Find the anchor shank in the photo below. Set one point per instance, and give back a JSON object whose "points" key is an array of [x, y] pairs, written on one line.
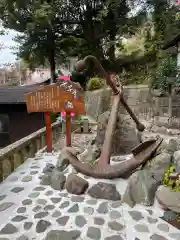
{"points": [[107, 145], [80, 65]]}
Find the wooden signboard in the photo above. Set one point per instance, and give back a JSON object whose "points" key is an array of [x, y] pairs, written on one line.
{"points": [[64, 96], [76, 105], [54, 98], [47, 99]]}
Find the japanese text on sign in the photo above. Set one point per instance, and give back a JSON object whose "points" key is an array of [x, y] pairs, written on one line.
{"points": [[49, 98], [54, 98], [71, 87]]}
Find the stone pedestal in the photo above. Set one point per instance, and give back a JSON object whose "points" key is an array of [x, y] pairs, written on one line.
{"points": [[125, 136], [85, 126], [63, 127]]}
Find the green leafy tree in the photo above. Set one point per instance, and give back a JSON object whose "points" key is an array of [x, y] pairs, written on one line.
{"points": [[39, 24], [166, 77], [163, 16], [166, 73], [51, 31], [101, 23], [158, 24]]}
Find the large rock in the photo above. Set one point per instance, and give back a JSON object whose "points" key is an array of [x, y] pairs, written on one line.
{"points": [[62, 235], [172, 146], [141, 189], [45, 179], [168, 199], [48, 169], [57, 180], [176, 160], [161, 130], [104, 191], [174, 132], [158, 165], [91, 153], [163, 147], [125, 137], [64, 156], [76, 185]]}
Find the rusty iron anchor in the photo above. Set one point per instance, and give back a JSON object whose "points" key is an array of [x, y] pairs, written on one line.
{"points": [[107, 171], [141, 154]]}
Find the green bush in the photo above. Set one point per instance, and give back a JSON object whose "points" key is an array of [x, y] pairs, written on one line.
{"points": [[166, 72], [95, 83], [54, 116], [173, 184]]}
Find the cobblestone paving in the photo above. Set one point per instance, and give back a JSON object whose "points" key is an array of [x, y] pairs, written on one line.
{"points": [[29, 211]]}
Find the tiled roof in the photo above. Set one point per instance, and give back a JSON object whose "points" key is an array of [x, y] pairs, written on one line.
{"points": [[15, 94]]}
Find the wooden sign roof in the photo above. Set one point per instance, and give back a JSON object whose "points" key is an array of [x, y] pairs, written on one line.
{"points": [[55, 98], [74, 88]]}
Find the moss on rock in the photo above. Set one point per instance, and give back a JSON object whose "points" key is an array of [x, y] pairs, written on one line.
{"points": [[173, 184]]}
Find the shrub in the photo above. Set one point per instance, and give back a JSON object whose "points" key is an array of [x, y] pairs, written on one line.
{"points": [[166, 73], [94, 83], [53, 117], [173, 184]]}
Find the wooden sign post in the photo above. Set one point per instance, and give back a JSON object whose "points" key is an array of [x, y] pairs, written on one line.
{"points": [[56, 98], [76, 105], [68, 129], [47, 116]]}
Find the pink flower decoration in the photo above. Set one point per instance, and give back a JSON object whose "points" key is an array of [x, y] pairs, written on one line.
{"points": [[67, 78], [63, 114]]}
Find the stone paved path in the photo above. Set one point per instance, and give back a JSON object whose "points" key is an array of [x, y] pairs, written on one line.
{"points": [[31, 211]]}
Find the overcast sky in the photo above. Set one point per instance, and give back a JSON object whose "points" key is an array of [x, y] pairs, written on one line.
{"points": [[6, 54]]}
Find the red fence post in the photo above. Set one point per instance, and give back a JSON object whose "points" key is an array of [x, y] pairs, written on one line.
{"points": [[48, 131], [68, 129]]}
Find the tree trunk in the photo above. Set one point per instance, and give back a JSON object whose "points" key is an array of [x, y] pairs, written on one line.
{"points": [[52, 66], [112, 32], [51, 57], [95, 47], [91, 32], [111, 52]]}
